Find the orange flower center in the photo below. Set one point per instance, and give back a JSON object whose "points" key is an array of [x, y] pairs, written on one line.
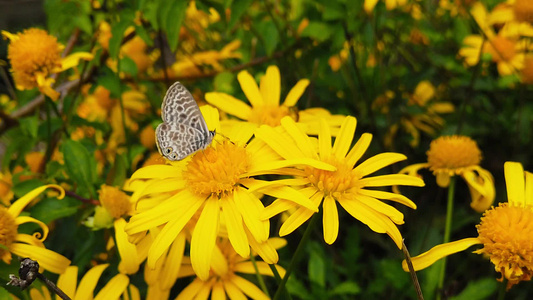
{"points": [[523, 10], [8, 231], [452, 153], [333, 182], [501, 49], [33, 52], [217, 170], [269, 115], [506, 233], [115, 201]]}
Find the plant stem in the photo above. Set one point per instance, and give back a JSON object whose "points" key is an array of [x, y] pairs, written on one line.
{"points": [[502, 290], [297, 254], [447, 233], [259, 276]]}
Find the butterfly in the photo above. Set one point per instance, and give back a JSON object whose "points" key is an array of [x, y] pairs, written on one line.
{"points": [[183, 131]]}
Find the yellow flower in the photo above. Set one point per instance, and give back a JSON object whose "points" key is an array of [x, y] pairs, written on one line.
{"points": [[523, 10], [6, 183], [527, 71], [147, 137], [25, 245], [265, 102], [224, 280], [210, 187], [458, 155], [35, 56], [505, 231], [389, 4], [347, 184], [68, 282]]}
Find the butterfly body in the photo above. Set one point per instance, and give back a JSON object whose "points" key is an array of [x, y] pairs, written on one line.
{"points": [[183, 130]]}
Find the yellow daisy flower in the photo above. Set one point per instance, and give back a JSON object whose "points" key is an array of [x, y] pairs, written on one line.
{"points": [[224, 280], [458, 155], [68, 282], [389, 4], [346, 185], [6, 183], [35, 56], [210, 185], [265, 106], [25, 245], [505, 232]]}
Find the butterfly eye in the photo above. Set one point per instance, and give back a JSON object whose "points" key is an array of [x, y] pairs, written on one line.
{"points": [[168, 150], [174, 156]]}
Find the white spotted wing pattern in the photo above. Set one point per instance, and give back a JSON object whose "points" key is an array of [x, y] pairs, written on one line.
{"points": [[183, 130]]}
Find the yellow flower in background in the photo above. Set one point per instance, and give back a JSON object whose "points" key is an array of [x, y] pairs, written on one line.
{"points": [[458, 155], [505, 231], [25, 245], [527, 71], [422, 113], [523, 10], [265, 102], [84, 288], [212, 187], [389, 4], [224, 280], [347, 185], [35, 56], [6, 183]]}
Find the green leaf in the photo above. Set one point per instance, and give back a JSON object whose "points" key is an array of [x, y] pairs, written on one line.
{"points": [[117, 174], [143, 34], [115, 41], [78, 164], [30, 125], [238, 7], [50, 209], [317, 268], [346, 288], [318, 31], [128, 66], [478, 290], [297, 288], [22, 188], [224, 82], [172, 14], [270, 36]]}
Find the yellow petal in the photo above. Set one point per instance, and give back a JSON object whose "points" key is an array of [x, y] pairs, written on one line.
{"points": [[266, 249], [293, 162], [191, 290], [68, 281], [11, 37], [388, 196], [248, 267], [270, 86], [344, 138], [114, 288], [248, 288], [21, 203], [48, 259], [395, 215], [330, 220], [278, 142], [73, 59], [181, 216], [426, 259], [88, 282], [204, 237], [515, 182], [300, 138], [378, 162], [529, 188], [324, 140], [358, 149], [129, 262], [21, 220], [250, 89], [369, 5], [296, 92], [233, 291], [156, 171], [170, 269], [234, 225], [391, 179], [276, 207], [229, 104], [250, 207]]}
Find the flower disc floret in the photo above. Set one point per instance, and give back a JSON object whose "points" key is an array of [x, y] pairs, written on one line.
{"points": [[216, 170], [35, 51], [268, 115], [8, 231], [115, 201], [506, 233], [333, 182], [450, 154]]}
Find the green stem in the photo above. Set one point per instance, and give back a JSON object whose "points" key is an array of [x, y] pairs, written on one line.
{"points": [[276, 273], [297, 254], [447, 233], [502, 290], [259, 277]]}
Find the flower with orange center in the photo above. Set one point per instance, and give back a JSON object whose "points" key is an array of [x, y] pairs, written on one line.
{"points": [[265, 106], [458, 155], [35, 56], [25, 245], [505, 231], [212, 186], [224, 280], [347, 185], [6, 183]]}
